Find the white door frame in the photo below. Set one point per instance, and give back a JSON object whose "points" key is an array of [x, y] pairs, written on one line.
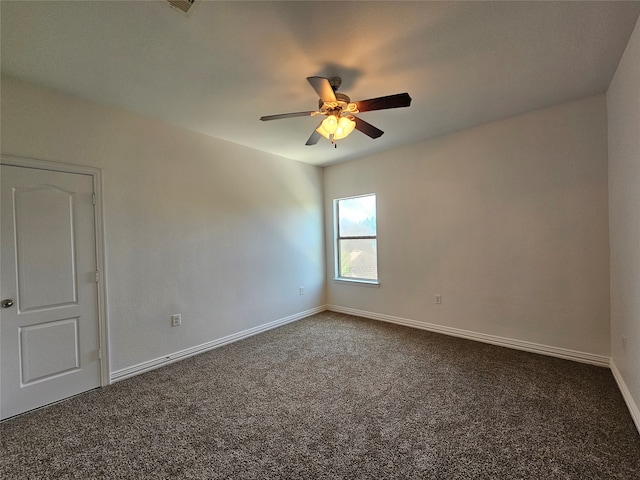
{"points": [[96, 174]]}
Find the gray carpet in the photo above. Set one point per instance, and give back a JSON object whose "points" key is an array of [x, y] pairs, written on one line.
{"points": [[338, 397]]}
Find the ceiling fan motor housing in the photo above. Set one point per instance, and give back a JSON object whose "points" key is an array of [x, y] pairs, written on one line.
{"points": [[340, 104]]}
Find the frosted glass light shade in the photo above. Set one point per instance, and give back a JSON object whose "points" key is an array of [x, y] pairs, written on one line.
{"points": [[330, 124]]}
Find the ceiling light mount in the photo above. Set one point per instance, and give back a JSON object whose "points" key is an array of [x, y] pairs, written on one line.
{"points": [[335, 83]]}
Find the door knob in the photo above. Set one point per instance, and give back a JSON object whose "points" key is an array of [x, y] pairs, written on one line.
{"points": [[6, 303]]}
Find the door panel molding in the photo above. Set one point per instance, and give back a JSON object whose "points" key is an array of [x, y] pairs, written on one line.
{"points": [[96, 175], [35, 364], [31, 283]]}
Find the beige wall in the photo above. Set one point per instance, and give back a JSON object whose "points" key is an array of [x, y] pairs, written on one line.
{"points": [[507, 221], [220, 233], [623, 106]]}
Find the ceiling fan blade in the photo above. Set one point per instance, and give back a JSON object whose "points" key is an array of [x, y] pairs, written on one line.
{"points": [[315, 136], [367, 128], [323, 88], [381, 103], [287, 115]]}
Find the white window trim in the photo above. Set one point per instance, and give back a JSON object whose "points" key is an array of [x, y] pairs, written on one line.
{"points": [[363, 282], [336, 246]]}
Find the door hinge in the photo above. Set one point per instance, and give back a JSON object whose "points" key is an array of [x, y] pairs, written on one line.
{"points": [[99, 354], [93, 198], [97, 276]]}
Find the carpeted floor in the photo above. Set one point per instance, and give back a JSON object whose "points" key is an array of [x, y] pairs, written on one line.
{"points": [[338, 397]]}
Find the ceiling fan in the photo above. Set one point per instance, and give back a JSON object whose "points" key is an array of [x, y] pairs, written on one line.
{"points": [[340, 112]]}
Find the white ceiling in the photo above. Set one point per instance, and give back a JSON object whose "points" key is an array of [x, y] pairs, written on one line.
{"points": [[225, 65]]}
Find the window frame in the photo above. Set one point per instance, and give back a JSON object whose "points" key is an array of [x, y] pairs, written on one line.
{"points": [[338, 238]]}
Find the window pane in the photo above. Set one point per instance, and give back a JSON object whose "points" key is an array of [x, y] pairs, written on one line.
{"points": [[357, 216], [359, 259]]}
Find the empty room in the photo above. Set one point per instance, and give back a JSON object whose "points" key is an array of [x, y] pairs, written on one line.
{"points": [[320, 239]]}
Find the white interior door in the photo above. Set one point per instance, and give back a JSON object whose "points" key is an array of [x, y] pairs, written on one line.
{"points": [[49, 324]]}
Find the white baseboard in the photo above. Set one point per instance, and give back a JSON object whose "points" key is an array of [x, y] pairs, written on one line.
{"points": [[582, 357], [626, 394], [127, 372]]}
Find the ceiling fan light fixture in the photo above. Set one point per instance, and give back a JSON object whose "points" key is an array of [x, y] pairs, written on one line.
{"points": [[336, 128]]}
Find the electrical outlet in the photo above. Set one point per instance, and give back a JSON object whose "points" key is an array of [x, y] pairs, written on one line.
{"points": [[438, 299], [301, 290], [176, 320]]}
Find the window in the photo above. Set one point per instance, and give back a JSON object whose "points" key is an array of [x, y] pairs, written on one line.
{"points": [[356, 239]]}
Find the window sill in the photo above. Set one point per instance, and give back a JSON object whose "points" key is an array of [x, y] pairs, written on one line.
{"points": [[357, 281]]}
